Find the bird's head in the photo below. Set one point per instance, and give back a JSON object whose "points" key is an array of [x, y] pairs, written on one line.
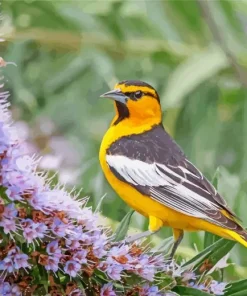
{"points": [[135, 100]]}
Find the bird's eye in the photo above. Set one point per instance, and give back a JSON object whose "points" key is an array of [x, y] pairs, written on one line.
{"points": [[138, 94]]}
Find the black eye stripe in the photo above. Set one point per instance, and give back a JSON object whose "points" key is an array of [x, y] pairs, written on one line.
{"points": [[150, 94], [132, 96]]}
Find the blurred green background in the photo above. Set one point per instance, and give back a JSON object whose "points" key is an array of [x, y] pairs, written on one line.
{"points": [[69, 52]]}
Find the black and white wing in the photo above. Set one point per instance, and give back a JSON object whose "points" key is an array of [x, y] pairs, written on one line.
{"points": [[155, 166]]}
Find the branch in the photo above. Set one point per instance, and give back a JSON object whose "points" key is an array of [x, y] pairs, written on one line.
{"points": [[73, 41]]}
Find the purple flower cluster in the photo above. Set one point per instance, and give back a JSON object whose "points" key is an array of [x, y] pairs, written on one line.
{"points": [[56, 229], [107, 290], [144, 290], [217, 288], [9, 290], [147, 290], [14, 261], [214, 287], [129, 259]]}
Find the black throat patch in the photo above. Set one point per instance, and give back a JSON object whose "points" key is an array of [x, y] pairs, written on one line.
{"points": [[123, 112]]}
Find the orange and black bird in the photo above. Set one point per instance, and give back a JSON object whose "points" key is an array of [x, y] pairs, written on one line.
{"points": [[150, 172]]}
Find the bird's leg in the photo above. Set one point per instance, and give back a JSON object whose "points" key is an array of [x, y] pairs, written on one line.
{"points": [[178, 236]]}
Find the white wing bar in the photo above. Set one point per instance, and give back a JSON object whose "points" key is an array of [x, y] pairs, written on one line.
{"points": [[174, 194]]}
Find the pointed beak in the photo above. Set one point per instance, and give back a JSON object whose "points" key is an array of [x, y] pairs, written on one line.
{"points": [[116, 95]]}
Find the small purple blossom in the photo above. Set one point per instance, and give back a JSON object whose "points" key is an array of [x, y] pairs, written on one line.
{"points": [[85, 237], [72, 243], [147, 273], [10, 211], [72, 267], [8, 225], [21, 261], [107, 290], [201, 287], [16, 291], [5, 134], [80, 256], [32, 230], [14, 261], [17, 160], [41, 229], [58, 227], [99, 246], [53, 249], [217, 288], [52, 263], [23, 182], [188, 275], [147, 290], [114, 271], [7, 264], [49, 200], [5, 289], [24, 163], [119, 251], [88, 219], [14, 251], [13, 194], [144, 268], [9, 290]]}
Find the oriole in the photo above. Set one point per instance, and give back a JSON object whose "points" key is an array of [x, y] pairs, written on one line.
{"points": [[150, 172]]}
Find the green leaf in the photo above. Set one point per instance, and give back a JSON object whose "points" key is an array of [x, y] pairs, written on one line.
{"points": [[80, 285], [187, 16], [184, 291], [170, 293], [123, 227], [66, 75], [188, 75], [99, 205], [239, 293], [212, 254], [236, 287], [229, 10], [216, 176], [165, 245], [209, 239]]}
